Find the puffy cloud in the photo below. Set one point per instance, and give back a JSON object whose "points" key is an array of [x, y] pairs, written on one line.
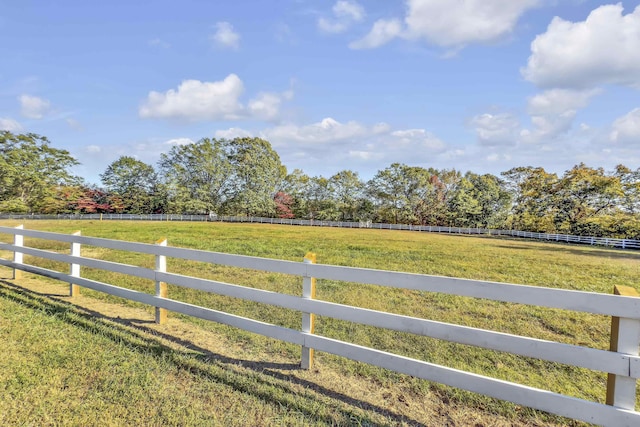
{"points": [[558, 101], [453, 26], [325, 131], [416, 139], [10, 125], [341, 143], [349, 9], [553, 111], [196, 100], [605, 48], [33, 107], [382, 32], [266, 105], [626, 129], [232, 133], [179, 141], [225, 36], [493, 130], [470, 21], [345, 13]]}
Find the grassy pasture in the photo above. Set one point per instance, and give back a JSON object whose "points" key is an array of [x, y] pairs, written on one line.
{"points": [[504, 260]]}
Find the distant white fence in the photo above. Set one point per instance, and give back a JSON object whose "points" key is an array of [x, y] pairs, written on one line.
{"points": [[567, 238], [622, 363]]}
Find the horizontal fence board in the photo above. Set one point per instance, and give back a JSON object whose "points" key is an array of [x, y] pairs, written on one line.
{"points": [[114, 267], [605, 304], [527, 396], [266, 329], [243, 261], [590, 302], [539, 399], [552, 351]]}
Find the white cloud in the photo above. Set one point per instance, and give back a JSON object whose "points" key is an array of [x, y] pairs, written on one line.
{"points": [[553, 111], [416, 139], [196, 100], [33, 107], [225, 36], [232, 133], [558, 101], [605, 48], [381, 127], [265, 106], [494, 130], [441, 23], [345, 13], [626, 129], [93, 149], [10, 125], [383, 31], [327, 130], [179, 141], [470, 21], [346, 145]]}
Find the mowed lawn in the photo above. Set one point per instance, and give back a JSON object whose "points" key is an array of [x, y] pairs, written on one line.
{"points": [[112, 369]]}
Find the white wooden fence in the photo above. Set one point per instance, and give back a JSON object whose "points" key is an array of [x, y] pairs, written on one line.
{"points": [[553, 237], [622, 363]]}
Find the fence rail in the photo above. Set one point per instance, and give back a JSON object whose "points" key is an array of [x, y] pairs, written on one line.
{"points": [[622, 363], [552, 237]]}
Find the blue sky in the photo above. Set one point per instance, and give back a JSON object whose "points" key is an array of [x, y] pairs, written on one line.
{"points": [[479, 85]]}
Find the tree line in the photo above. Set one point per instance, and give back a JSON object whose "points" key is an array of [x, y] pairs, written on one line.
{"points": [[245, 176]]}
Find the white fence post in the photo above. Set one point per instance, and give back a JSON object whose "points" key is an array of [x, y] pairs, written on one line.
{"points": [[625, 338], [308, 319], [161, 287], [18, 240], [74, 290]]}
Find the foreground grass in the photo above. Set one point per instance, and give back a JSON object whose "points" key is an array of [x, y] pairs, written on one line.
{"points": [[515, 261]]}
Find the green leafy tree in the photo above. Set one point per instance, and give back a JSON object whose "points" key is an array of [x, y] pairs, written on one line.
{"points": [[296, 185], [257, 174], [399, 193], [198, 177], [630, 183], [464, 208], [136, 183], [584, 193], [347, 193], [492, 199], [534, 199], [31, 171]]}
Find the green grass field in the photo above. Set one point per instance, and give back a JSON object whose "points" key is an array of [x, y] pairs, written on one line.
{"points": [[185, 380]]}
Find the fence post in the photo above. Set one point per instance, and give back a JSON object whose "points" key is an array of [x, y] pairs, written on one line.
{"points": [[308, 319], [161, 287], [18, 240], [625, 338], [74, 290]]}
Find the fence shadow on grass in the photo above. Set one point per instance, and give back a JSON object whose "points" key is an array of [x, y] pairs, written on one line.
{"points": [[206, 364]]}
